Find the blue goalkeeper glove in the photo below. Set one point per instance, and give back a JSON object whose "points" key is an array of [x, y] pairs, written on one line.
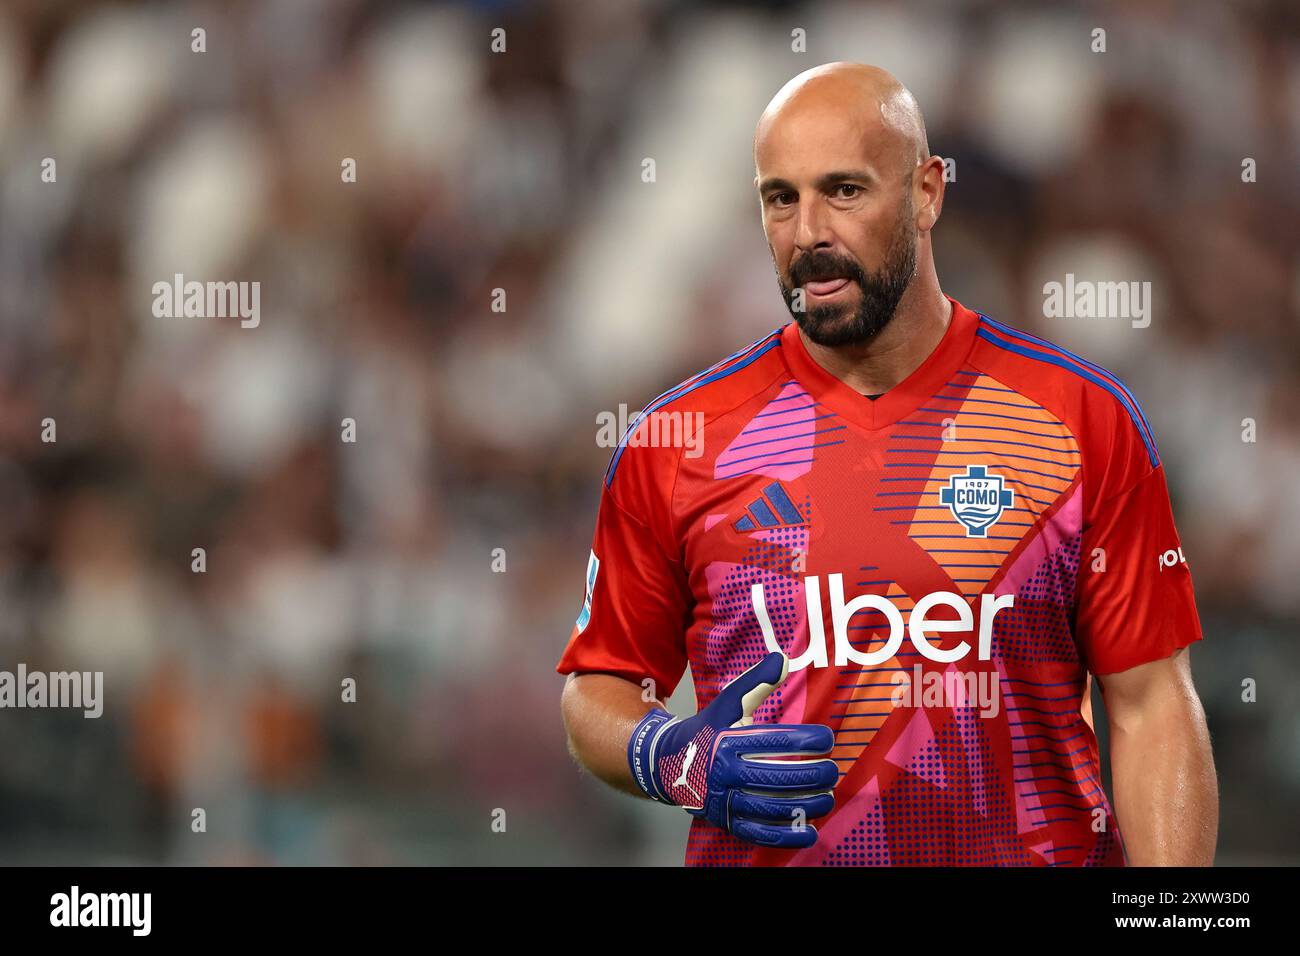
{"points": [[719, 764]]}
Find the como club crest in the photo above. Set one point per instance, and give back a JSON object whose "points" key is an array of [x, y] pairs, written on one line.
{"points": [[976, 499]]}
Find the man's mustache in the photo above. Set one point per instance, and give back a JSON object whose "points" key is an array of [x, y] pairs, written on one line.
{"points": [[815, 270]]}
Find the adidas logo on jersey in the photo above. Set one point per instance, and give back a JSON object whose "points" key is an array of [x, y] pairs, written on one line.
{"points": [[772, 509]]}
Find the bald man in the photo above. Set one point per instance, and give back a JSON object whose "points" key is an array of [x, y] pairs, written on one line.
{"points": [[907, 537]]}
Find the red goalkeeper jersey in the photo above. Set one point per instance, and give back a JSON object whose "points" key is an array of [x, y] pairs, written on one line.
{"points": [[943, 566]]}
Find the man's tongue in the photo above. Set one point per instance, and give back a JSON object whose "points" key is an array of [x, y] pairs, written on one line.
{"points": [[827, 287]]}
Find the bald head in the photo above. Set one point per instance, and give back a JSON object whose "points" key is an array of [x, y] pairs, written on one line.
{"points": [[870, 100], [849, 193]]}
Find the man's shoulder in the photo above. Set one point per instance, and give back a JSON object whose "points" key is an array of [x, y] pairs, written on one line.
{"points": [[1091, 400], [656, 436]]}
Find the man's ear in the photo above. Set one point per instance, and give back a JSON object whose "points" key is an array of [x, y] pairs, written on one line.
{"points": [[930, 185]]}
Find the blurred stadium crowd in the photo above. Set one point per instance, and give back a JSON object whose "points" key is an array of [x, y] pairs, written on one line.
{"points": [[522, 171]]}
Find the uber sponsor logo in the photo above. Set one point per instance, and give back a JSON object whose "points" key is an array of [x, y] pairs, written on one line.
{"points": [[133, 910], [917, 628]]}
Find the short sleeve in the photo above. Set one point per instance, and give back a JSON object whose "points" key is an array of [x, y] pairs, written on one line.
{"points": [[637, 606], [1135, 602]]}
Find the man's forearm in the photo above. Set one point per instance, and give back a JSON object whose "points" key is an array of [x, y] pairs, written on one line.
{"points": [[600, 712], [1166, 792]]}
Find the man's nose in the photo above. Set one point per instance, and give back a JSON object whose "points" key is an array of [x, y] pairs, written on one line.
{"points": [[813, 231]]}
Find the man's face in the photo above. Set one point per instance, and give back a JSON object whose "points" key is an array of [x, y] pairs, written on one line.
{"points": [[840, 223]]}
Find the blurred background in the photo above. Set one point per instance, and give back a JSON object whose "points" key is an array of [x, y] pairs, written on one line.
{"points": [[476, 429]]}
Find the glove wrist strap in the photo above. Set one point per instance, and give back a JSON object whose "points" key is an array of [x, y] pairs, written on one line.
{"points": [[641, 752]]}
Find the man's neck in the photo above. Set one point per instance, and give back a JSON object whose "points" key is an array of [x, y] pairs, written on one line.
{"points": [[876, 366]]}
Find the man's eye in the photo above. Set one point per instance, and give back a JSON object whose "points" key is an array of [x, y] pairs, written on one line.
{"points": [[852, 190], [782, 199]]}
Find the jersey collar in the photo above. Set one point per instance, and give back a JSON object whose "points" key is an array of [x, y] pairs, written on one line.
{"points": [[920, 387]]}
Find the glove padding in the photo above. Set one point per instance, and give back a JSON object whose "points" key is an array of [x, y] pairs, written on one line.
{"points": [[719, 765]]}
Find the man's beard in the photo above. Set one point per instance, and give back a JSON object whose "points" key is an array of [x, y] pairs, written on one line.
{"points": [[839, 324]]}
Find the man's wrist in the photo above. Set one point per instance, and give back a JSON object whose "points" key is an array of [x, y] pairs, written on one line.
{"points": [[641, 752]]}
